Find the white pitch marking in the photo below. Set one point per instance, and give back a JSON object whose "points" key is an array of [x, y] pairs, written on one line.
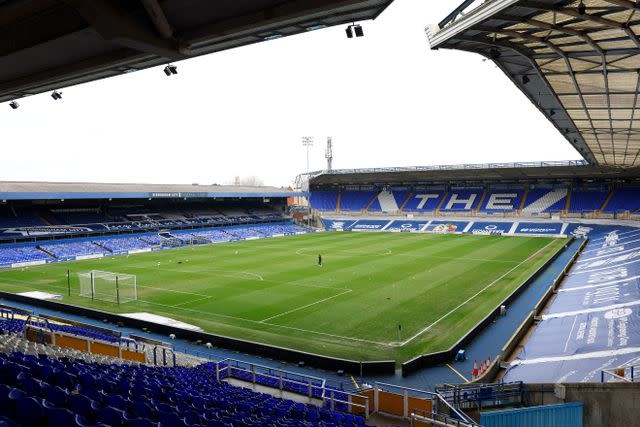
{"points": [[423, 330], [346, 253], [408, 255], [304, 285], [305, 306], [208, 313], [171, 290], [189, 302]]}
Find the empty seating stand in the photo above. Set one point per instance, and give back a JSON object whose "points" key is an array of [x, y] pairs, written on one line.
{"points": [[36, 390], [462, 200], [324, 200], [625, 199], [502, 200], [358, 200], [583, 201], [424, 201], [15, 254]]}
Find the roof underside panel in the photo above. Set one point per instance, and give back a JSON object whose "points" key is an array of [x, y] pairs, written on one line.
{"points": [[50, 44], [577, 61]]}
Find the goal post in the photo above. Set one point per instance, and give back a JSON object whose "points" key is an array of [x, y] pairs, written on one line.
{"points": [[108, 286]]}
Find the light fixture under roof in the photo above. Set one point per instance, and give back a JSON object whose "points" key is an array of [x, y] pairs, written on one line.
{"points": [[354, 29], [170, 69]]}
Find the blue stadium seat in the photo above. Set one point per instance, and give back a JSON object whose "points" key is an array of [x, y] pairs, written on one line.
{"points": [[58, 417], [324, 200], [356, 200], [144, 396]]}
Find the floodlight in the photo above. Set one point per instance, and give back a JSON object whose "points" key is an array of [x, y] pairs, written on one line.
{"points": [[552, 113], [525, 80], [170, 69], [14, 105], [354, 29], [56, 95]]}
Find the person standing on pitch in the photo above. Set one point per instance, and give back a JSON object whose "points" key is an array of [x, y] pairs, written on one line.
{"points": [[320, 260]]}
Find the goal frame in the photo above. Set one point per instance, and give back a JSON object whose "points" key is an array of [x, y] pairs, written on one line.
{"points": [[124, 286]]}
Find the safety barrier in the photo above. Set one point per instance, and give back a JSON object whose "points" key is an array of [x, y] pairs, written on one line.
{"points": [[38, 329], [310, 386], [478, 396], [409, 403], [430, 419], [160, 352]]}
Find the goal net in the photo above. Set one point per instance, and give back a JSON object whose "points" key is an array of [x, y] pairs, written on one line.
{"points": [[108, 286]]}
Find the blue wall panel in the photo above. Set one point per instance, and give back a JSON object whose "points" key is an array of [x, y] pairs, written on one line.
{"points": [[566, 415]]}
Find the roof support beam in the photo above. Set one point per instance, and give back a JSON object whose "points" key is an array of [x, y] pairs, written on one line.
{"points": [[126, 31], [158, 17], [98, 64], [272, 16], [567, 62], [578, 143], [625, 3], [586, 17]]}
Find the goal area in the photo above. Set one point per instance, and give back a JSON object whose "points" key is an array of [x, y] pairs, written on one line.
{"points": [[108, 286]]}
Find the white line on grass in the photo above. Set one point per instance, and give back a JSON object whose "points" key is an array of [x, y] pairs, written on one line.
{"points": [[204, 271], [234, 274], [344, 252], [192, 301], [171, 290], [423, 330], [305, 306], [408, 255], [208, 313]]}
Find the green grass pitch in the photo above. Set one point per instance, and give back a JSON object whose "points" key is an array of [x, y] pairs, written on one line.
{"points": [[435, 287]]}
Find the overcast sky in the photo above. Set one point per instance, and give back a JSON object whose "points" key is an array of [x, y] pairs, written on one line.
{"points": [[386, 99]]}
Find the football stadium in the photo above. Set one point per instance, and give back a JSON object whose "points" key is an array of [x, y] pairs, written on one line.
{"points": [[467, 295]]}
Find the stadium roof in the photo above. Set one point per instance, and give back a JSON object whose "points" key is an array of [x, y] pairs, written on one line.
{"points": [[578, 61], [472, 173], [12, 190], [50, 44]]}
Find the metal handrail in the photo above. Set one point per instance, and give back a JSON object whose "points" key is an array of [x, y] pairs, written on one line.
{"points": [[326, 393], [471, 166], [454, 14], [433, 418]]}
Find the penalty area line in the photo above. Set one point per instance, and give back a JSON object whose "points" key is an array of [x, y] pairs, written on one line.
{"points": [[305, 306]]}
